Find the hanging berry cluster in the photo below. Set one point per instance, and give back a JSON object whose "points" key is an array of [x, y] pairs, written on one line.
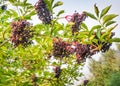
{"points": [[60, 48], [82, 51], [21, 33], [42, 12], [77, 19]]}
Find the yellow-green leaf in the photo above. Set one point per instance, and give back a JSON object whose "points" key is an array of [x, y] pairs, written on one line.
{"points": [[90, 15], [115, 40], [60, 12], [108, 17], [96, 10], [93, 28], [111, 28], [59, 3], [104, 11], [109, 23], [84, 26]]}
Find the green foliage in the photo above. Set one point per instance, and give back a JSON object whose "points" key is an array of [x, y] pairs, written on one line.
{"points": [[30, 66], [105, 71], [114, 79]]}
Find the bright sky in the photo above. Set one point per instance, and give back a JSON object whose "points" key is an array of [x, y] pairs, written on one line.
{"points": [[87, 5]]}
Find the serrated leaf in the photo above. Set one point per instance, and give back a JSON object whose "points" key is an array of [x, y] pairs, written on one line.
{"points": [[59, 3], [84, 26], [108, 17], [60, 12], [96, 10], [104, 11], [115, 40], [93, 28], [90, 15], [109, 23]]}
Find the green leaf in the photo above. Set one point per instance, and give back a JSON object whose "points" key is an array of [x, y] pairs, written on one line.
{"points": [[98, 33], [14, 13], [24, 1], [108, 17], [96, 10], [109, 23], [84, 26], [90, 15], [60, 12], [93, 28], [105, 35], [111, 28], [52, 1], [115, 40], [104, 11], [59, 3]]}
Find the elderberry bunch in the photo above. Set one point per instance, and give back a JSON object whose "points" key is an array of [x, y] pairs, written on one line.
{"points": [[21, 33], [59, 48], [42, 12], [81, 51], [57, 71], [77, 19]]}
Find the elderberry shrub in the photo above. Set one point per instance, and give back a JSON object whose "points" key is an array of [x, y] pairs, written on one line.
{"points": [[42, 12], [21, 33], [59, 48], [77, 19], [57, 71]]}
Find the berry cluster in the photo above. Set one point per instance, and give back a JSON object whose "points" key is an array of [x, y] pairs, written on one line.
{"points": [[59, 48], [77, 20], [57, 71], [42, 12], [64, 49], [21, 33], [82, 51]]}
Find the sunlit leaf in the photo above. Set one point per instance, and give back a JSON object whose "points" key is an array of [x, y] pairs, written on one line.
{"points": [[60, 12], [108, 17], [96, 10], [59, 3], [93, 29], [98, 33], [84, 26], [110, 23], [111, 28], [115, 40], [90, 15], [104, 11]]}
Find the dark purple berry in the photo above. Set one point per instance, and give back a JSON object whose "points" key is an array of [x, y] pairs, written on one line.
{"points": [[85, 82], [42, 12], [77, 19], [60, 48], [21, 33], [57, 71], [3, 7]]}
